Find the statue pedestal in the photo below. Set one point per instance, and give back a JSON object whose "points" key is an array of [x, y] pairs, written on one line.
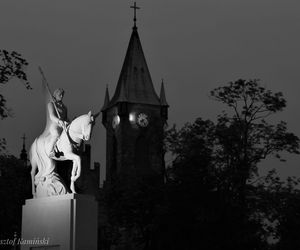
{"points": [[64, 222]]}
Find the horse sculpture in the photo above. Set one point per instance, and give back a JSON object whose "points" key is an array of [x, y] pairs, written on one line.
{"points": [[47, 182]]}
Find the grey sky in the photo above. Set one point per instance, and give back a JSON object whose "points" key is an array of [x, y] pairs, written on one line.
{"points": [[194, 45]]}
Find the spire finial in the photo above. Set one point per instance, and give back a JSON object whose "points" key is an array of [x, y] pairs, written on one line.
{"points": [[24, 138], [135, 8]]}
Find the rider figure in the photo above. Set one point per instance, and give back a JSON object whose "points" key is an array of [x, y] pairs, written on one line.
{"points": [[56, 122]]}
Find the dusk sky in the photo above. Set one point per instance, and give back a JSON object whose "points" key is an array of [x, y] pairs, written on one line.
{"points": [[194, 45]]}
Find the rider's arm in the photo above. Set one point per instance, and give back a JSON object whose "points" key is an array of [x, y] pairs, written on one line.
{"points": [[52, 113]]}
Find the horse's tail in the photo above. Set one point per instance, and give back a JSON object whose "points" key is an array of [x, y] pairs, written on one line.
{"points": [[39, 158], [33, 164]]}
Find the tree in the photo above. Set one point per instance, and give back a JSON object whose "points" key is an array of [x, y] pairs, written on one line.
{"points": [[15, 187], [12, 65], [192, 146], [134, 207], [246, 138], [222, 160], [194, 207], [201, 204], [279, 204], [14, 177]]}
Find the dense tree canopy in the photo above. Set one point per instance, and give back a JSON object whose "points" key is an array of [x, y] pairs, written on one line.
{"points": [[15, 187], [219, 163]]}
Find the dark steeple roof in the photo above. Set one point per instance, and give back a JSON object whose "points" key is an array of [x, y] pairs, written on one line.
{"points": [[135, 84], [163, 99], [106, 99]]}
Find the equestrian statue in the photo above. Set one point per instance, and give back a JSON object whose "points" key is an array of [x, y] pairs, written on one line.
{"points": [[59, 142]]}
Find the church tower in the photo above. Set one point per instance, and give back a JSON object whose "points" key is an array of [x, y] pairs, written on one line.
{"points": [[134, 118]]}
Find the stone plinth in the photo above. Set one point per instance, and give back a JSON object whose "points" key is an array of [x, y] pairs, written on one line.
{"points": [[65, 222]]}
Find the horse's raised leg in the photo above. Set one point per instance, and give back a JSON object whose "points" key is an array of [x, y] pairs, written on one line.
{"points": [[76, 169], [32, 173]]}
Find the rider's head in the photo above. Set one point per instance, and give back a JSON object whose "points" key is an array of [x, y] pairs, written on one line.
{"points": [[58, 94]]}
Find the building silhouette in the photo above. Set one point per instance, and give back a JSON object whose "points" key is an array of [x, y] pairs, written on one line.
{"points": [[23, 155], [134, 119]]}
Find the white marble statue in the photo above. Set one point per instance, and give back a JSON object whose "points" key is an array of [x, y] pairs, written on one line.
{"points": [[59, 141]]}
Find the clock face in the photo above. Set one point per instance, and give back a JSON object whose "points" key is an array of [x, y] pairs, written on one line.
{"points": [[115, 121], [142, 120]]}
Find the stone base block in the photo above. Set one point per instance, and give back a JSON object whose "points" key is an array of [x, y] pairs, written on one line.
{"points": [[64, 222]]}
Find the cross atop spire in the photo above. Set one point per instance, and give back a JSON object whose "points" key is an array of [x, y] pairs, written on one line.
{"points": [[135, 8]]}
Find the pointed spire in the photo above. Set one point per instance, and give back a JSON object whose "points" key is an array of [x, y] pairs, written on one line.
{"points": [[23, 155], [24, 138], [135, 83], [106, 99], [163, 100]]}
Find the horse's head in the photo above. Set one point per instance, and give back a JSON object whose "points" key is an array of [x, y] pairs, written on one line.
{"points": [[81, 127], [86, 126]]}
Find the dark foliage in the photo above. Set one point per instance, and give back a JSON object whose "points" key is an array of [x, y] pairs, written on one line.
{"points": [[15, 187], [278, 203], [12, 65], [134, 208]]}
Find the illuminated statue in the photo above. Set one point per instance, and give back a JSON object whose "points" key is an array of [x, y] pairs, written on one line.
{"points": [[59, 141]]}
